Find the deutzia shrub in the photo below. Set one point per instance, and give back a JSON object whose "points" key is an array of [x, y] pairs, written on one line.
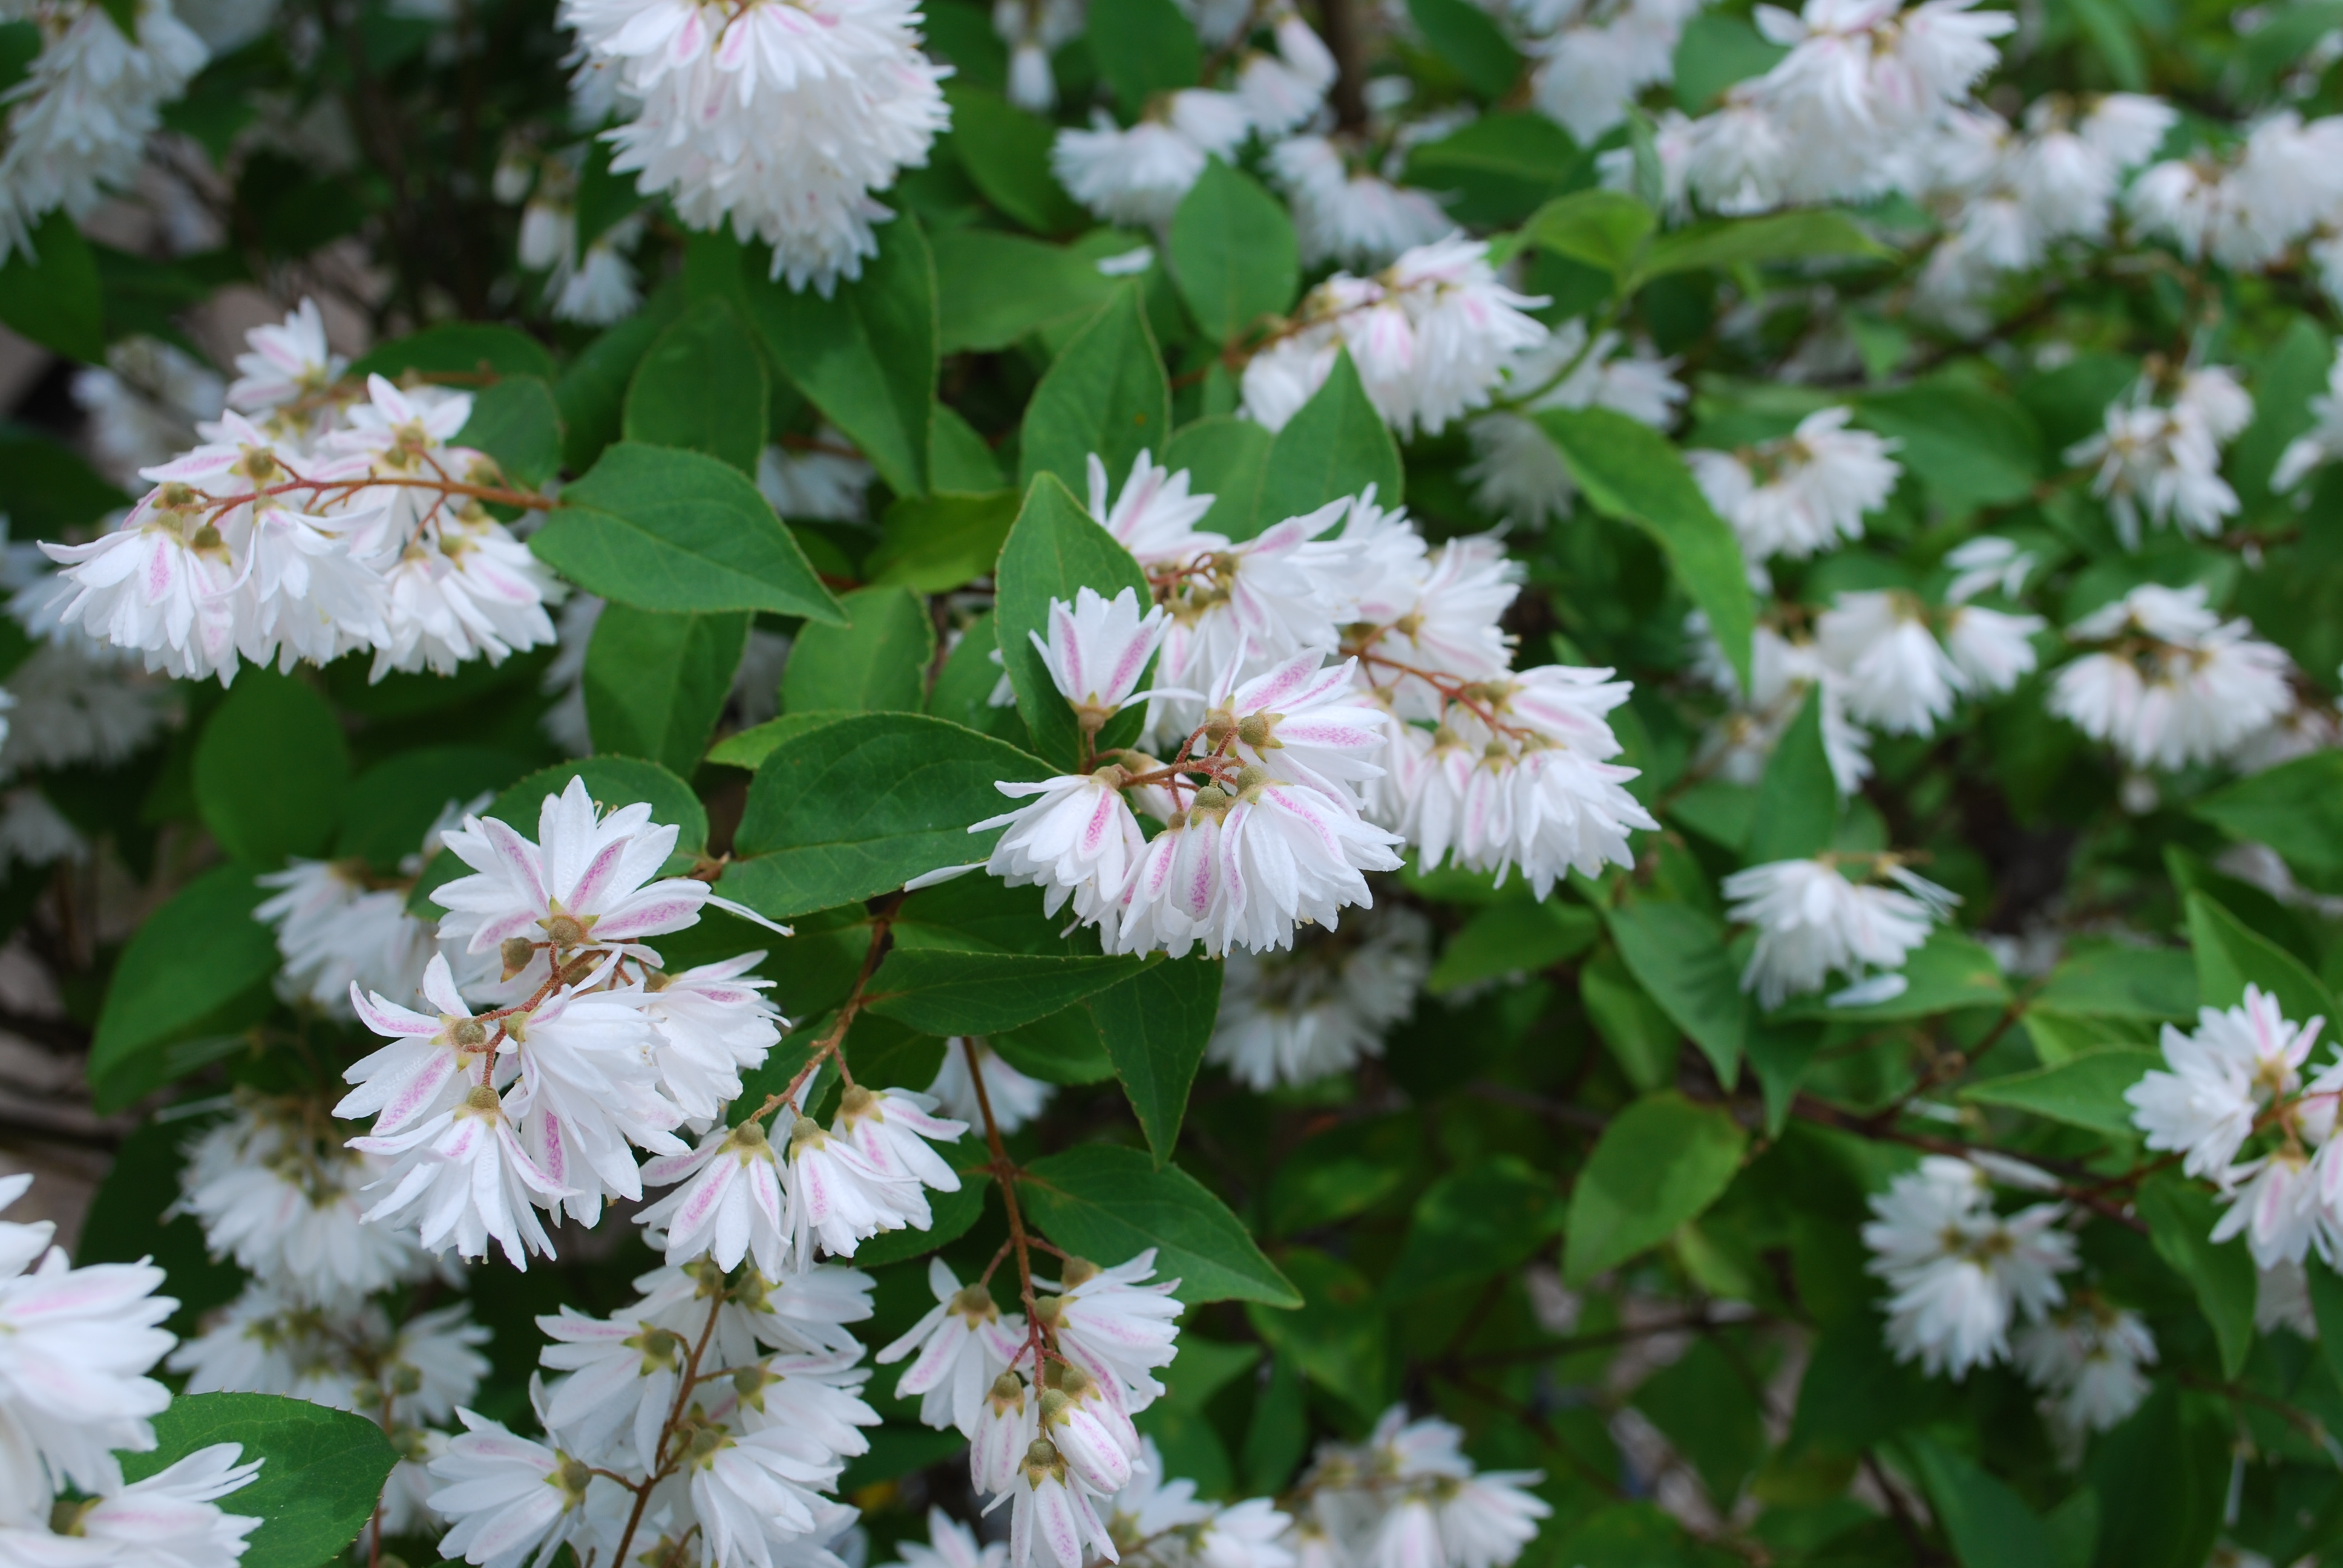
{"points": [[1192, 783]]}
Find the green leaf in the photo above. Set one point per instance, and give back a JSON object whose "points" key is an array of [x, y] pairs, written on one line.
{"points": [[1234, 253], [1226, 458], [2326, 1309], [20, 46], [1106, 393], [1335, 447], [1156, 1025], [1745, 241], [1467, 38], [1488, 1218], [656, 684], [457, 353], [392, 804], [964, 687], [858, 808], [1514, 938], [270, 769], [2163, 1481], [183, 966], [47, 489], [1054, 548], [701, 387], [1946, 973], [1064, 1048], [1499, 168], [1343, 1169], [1661, 1162], [1143, 47], [1989, 1525], [1631, 471], [2282, 43], [877, 662], [1704, 1408], [866, 356], [2230, 957], [2296, 808], [959, 459], [2085, 1090], [1797, 808], [1098, 1201], [1642, 1037], [516, 422], [750, 746], [1339, 1337], [321, 1470], [2117, 980], [2180, 1217], [995, 288], [50, 292], [666, 530], [1714, 51], [1676, 953], [1971, 447], [592, 392], [937, 990], [1603, 228], [1006, 152], [939, 542], [2284, 380]]}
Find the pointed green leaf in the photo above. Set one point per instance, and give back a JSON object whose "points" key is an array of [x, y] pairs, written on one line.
{"points": [[1143, 47], [1676, 953], [940, 991], [1156, 1025], [270, 769], [1989, 1524], [1098, 1201], [2085, 1090], [942, 541], [189, 961], [1106, 393], [1660, 1162], [1335, 445], [666, 530], [1226, 458], [1797, 799], [877, 662], [458, 354], [50, 291], [1055, 548], [656, 684], [1487, 1218], [2180, 1217], [2230, 956], [701, 387], [321, 1470], [518, 423], [1234, 253], [1739, 241], [1603, 228]]}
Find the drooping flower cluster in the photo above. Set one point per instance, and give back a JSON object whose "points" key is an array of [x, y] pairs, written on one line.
{"points": [[2239, 1078], [2248, 205], [783, 118], [1410, 1495], [2087, 1357], [1961, 1274], [76, 1345], [2161, 460], [315, 520], [1430, 335], [2168, 682], [1803, 494], [1299, 1017], [1814, 920], [1359, 694], [341, 927], [77, 123]]}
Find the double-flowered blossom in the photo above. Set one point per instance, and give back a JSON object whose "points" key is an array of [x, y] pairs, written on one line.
{"points": [[76, 1345], [1962, 1275], [1813, 920], [785, 119], [2158, 456], [1802, 494], [1295, 1017], [1410, 1497], [2168, 682], [313, 520], [2088, 1359], [1138, 174], [1430, 335]]}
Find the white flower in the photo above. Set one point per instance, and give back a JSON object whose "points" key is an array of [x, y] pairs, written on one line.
{"points": [[339, 933], [78, 121], [826, 481], [1802, 494], [2323, 442], [1892, 674], [1076, 839], [1015, 1099], [1250, 605], [1249, 1535], [1150, 1503], [286, 363], [433, 1059], [756, 1490], [1140, 175], [1006, 1424], [1347, 214], [2277, 1210], [949, 1544], [464, 1177], [1115, 1328], [712, 1024], [2282, 1299], [892, 1128], [513, 1500], [1811, 920], [172, 1519], [838, 1195], [1153, 517], [1052, 1521], [75, 703], [75, 1344], [281, 1197], [1961, 1274], [1430, 335], [143, 408], [2087, 1360], [2176, 685], [2163, 461], [622, 1375], [1992, 649], [1297, 1019], [784, 119], [730, 1204], [962, 1343], [588, 883], [2238, 1061], [1097, 650], [1486, 1520]]}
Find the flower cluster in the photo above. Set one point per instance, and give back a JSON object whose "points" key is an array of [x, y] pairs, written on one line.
{"points": [[313, 520], [1297, 1017], [76, 1345], [1803, 494], [1961, 1274], [1813, 920], [2168, 682], [2161, 460], [1410, 1497], [782, 117]]}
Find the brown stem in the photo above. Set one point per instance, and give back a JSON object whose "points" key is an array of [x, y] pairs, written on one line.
{"points": [[1346, 39], [683, 1391], [1005, 1173]]}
